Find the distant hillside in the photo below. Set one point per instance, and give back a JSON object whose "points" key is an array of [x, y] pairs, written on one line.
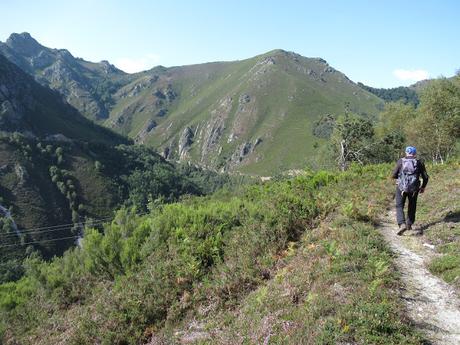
{"points": [[28, 107], [404, 94], [257, 115], [261, 115], [85, 85], [57, 167]]}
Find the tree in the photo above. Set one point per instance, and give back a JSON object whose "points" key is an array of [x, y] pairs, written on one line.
{"points": [[352, 139], [437, 127], [392, 130]]}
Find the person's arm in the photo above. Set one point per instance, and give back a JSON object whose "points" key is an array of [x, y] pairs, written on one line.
{"points": [[424, 176], [396, 170]]}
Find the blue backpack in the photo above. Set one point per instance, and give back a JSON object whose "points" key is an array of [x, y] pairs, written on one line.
{"points": [[408, 180]]}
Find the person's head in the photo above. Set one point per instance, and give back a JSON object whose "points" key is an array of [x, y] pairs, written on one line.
{"points": [[411, 151]]}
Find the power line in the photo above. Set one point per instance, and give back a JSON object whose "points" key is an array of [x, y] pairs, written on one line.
{"points": [[46, 231], [57, 226], [61, 227], [35, 242]]}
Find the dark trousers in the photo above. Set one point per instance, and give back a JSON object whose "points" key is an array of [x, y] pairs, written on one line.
{"points": [[400, 202]]}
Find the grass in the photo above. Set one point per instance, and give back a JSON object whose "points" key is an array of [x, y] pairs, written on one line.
{"points": [[288, 262], [439, 218], [337, 284]]}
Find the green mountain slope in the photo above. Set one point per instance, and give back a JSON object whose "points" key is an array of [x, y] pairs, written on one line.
{"points": [[58, 167], [256, 115]]}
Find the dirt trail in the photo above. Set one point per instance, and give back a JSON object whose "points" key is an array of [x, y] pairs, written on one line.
{"points": [[432, 304]]}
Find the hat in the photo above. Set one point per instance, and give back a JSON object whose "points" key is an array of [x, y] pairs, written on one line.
{"points": [[411, 150]]}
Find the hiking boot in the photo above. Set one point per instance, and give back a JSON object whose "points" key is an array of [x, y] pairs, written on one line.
{"points": [[409, 226], [402, 229]]}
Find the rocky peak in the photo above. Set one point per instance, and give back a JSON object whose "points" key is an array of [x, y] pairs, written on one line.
{"points": [[24, 44], [108, 68]]}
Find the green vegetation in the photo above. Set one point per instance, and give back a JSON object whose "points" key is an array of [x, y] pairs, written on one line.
{"points": [[304, 244], [407, 95], [46, 183], [433, 128], [439, 219]]}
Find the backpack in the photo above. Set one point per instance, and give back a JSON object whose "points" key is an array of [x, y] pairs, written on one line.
{"points": [[408, 180]]}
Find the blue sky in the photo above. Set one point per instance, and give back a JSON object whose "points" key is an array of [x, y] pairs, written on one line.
{"points": [[380, 43]]}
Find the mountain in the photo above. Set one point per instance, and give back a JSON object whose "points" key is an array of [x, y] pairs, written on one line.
{"points": [[28, 107], [58, 167], [262, 115], [85, 85], [257, 115]]}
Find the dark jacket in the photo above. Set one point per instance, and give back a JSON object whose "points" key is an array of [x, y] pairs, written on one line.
{"points": [[421, 171]]}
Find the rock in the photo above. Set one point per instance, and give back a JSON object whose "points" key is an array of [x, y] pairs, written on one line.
{"points": [[161, 112], [151, 125], [58, 137], [215, 127], [212, 134], [231, 137], [21, 173], [42, 60], [24, 44], [242, 151], [166, 152], [158, 94], [64, 55], [185, 141], [108, 68], [244, 98]]}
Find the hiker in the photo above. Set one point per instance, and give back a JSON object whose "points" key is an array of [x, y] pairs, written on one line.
{"points": [[408, 171]]}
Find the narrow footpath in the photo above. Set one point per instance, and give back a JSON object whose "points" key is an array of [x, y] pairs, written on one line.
{"points": [[432, 304]]}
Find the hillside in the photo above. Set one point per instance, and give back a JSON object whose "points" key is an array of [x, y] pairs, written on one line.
{"points": [[298, 261], [256, 115], [59, 168], [52, 189], [85, 85], [260, 115], [29, 108]]}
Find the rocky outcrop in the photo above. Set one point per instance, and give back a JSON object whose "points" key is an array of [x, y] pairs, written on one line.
{"points": [[150, 125], [21, 174], [215, 127], [24, 44], [243, 151], [185, 141]]}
